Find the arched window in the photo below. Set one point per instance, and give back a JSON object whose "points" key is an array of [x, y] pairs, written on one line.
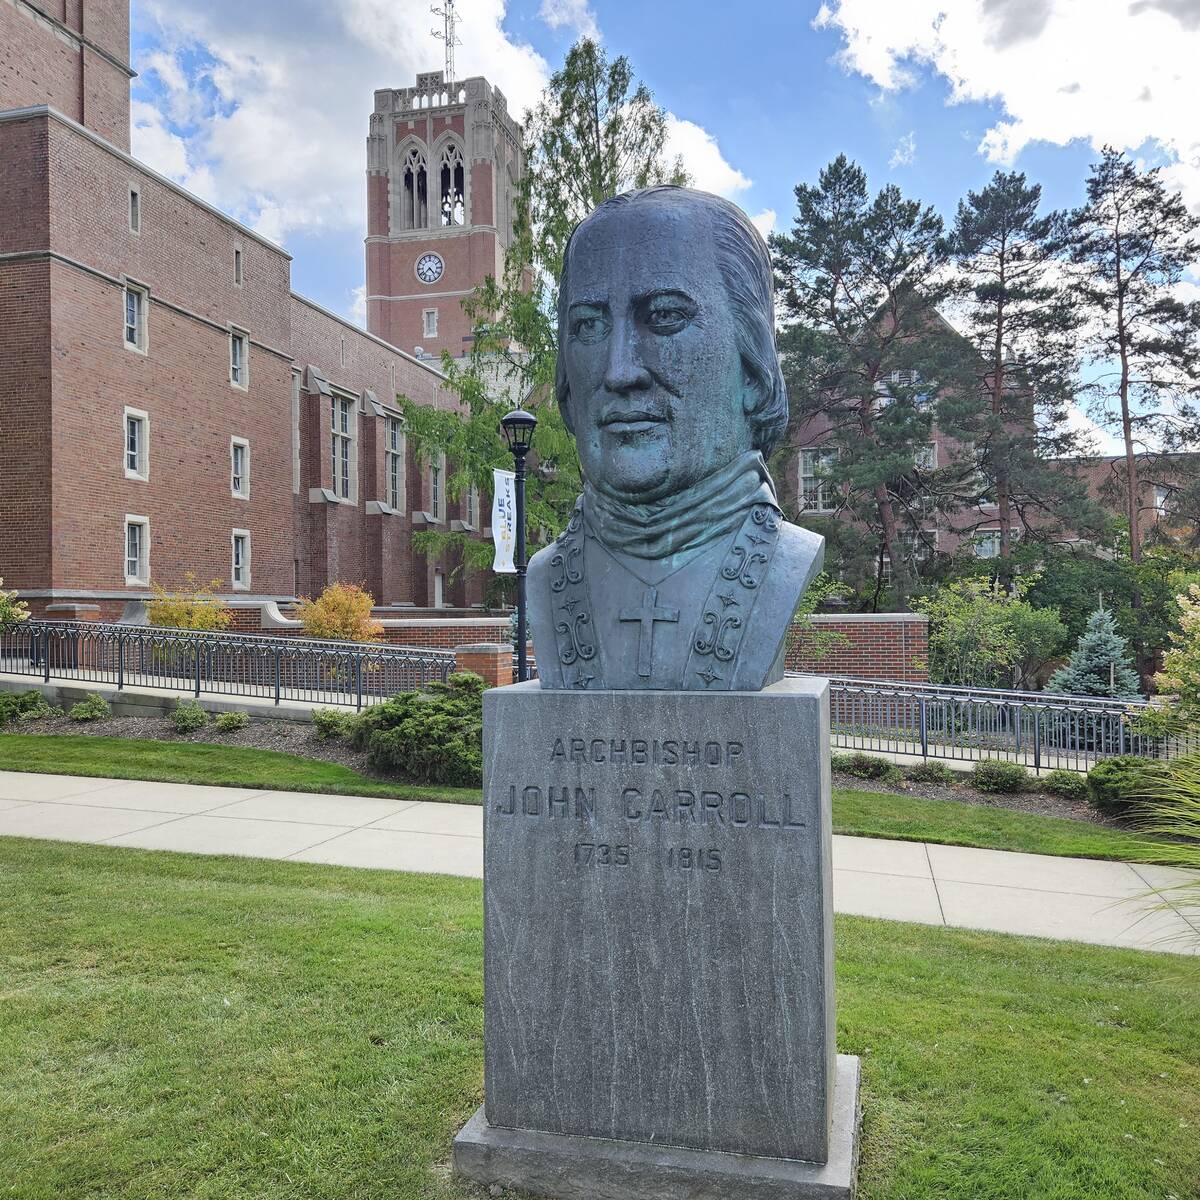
{"points": [[414, 200], [453, 190]]}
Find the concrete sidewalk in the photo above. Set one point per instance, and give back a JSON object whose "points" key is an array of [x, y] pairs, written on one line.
{"points": [[1106, 903]]}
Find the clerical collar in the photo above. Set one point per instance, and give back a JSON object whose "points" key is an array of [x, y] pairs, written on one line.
{"points": [[687, 521]]}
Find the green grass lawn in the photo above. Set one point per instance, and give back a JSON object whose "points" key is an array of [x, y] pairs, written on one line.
{"points": [[222, 1029], [873, 814]]}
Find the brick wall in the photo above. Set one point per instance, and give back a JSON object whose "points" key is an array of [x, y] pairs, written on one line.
{"points": [[62, 54], [877, 646]]}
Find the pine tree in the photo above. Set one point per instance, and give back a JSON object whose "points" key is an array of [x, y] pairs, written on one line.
{"points": [[1021, 320], [1100, 664], [595, 132], [867, 358]]}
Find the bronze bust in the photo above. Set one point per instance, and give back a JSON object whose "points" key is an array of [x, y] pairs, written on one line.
{"points": [[676, 570]]}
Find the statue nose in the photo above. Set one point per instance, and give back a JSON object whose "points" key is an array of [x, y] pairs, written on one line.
{"points": [[625, 371]]}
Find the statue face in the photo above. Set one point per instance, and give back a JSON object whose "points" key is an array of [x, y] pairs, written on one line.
{"points": [[658, 390]]}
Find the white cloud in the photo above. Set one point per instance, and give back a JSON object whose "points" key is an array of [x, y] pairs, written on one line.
{"points": [[764, 222], [357, 313], [276, 114], [1105, 71], [576, 15], [702, 158], [1097, 440], [905, 153]]}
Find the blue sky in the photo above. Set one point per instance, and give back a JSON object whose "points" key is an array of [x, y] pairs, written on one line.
{"points": [[262, 109]]}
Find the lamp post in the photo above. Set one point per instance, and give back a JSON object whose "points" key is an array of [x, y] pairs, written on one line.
{"points": [[518, 426]]}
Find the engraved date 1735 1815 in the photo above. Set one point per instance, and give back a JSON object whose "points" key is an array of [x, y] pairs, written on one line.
{"points": [[681, 858]]}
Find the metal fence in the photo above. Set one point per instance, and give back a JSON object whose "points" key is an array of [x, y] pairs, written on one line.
{"points": [[226, 664], [1037, 729]]}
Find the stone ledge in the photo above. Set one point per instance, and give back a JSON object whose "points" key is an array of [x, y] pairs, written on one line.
{"points": [[581, 1168]]}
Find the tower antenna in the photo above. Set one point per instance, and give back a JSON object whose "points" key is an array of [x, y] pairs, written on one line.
{"points": [[447, 34]]}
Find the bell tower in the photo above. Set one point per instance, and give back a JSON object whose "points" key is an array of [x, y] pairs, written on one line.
{"points": [[443, 166]]}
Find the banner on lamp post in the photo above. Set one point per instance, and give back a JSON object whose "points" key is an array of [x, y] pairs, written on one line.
{"points": [[504, 520]]}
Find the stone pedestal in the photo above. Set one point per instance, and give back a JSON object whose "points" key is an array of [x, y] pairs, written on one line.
{"points": [[658, 978]]}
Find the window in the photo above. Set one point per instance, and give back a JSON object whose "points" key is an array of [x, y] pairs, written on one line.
{"points": [[239, 570], [986, 542], [239, 359], [392, 376], [816, 490], [453, 192], [343, 435], [439, 587], [1162, 499], [237, 265], [342, 353], [135, 318], [239, 468], [137, 550], [414, 198], [917, 548], [137, 444], [430, 318], [393, 456], [473, 506], [437, 490], [135, 210], [926, 457]]}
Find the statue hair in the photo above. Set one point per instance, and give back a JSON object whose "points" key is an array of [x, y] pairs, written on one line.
{"points": [[744, 264]]}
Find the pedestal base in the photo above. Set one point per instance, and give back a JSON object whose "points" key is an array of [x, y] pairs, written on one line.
{"points": [[584, 1168]]}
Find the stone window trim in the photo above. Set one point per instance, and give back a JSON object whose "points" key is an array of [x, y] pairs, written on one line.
{"points": [[344, 448], [451, 182], [437, 487], [239, 468], [239, 560], [239, 270], [342, 351], [135, 208], [136, 302], [429, 322], [395, 449], [137, 550], [135, 450], [239, 358]]}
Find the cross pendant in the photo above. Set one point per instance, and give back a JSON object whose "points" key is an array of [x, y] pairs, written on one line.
{"points": [[650, 612]]}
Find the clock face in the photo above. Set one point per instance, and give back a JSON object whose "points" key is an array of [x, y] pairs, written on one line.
{"points": [[429, 268]]}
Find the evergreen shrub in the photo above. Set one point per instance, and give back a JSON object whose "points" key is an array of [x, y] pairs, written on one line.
{"points": [[1100, 663], [189, 716], [931, 772], [866, 766], [997, 775], [330, 723], [1115, 784], [430, 736], [231, 722], [25, 706], [1070, 785], [93, 707]]}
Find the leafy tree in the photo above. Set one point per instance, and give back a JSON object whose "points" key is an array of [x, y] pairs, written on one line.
{"points": [[1021, 321], [1180, 674], [341, 611], [595, 132], [1130, 245], [13, 610], [984, 635], [867, 358], [1099, 665]]}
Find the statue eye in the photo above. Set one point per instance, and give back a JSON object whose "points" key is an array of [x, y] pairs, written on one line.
{"points": [[589, 324], [666, 315]]}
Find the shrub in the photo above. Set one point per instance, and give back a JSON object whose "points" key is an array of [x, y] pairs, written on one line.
{"points": [[330, 723], [342, 611], [230, 722], [996, 775], [25, 706], [866, 766], [1068, 784], [192, 608], [931, 772], [12, 610], [93, 707], [189, 716], [1114, 784], [1170, 803], [431, 736]]}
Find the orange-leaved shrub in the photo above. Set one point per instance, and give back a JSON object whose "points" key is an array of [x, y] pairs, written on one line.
{"points": [[194, 607], [341, 611]]}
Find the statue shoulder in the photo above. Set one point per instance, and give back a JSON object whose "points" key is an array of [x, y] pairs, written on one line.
{"points": [[801, 549]]}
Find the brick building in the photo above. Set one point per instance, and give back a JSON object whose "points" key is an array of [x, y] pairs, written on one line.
{"points": [[167, 403]]}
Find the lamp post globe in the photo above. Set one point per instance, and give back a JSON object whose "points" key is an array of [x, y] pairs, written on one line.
{"points": [[518, 426]]}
